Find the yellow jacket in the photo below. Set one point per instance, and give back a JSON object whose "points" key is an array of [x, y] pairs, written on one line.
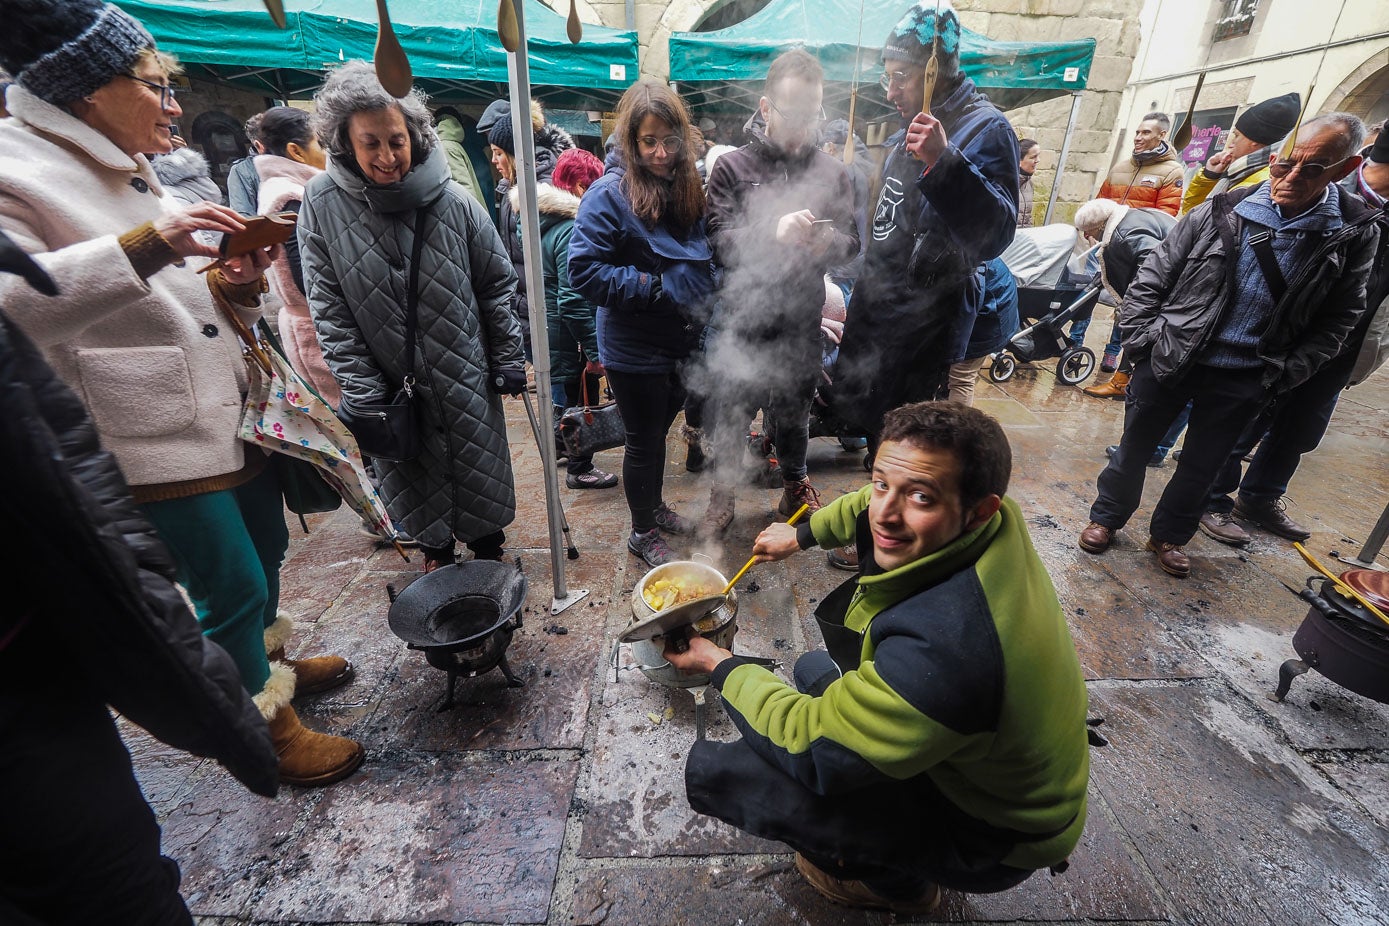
{"points": [[1203, 183]]}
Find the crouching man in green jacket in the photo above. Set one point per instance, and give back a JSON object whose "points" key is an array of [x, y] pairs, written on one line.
{"points": [[941, 739]]}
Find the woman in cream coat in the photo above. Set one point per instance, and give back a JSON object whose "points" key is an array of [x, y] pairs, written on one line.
{"points": [[138, 336]]}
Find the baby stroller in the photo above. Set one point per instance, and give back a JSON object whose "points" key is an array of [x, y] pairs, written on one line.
{"points": [[1050, 296]]}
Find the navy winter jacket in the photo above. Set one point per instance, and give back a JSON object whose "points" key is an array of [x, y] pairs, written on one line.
{"points": [[648, 283], [997, 320]]}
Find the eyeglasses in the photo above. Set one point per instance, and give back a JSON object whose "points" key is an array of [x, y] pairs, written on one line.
{"points": [[1305, 169], [810, 120], [897, 79], [671, 144], [166, 92]]}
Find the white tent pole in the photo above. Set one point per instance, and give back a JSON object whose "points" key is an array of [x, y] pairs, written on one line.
{"points": [[523, 133], [1061, 158]]}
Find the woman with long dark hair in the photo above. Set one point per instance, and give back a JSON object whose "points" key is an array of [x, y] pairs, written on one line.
{"points": [[639, 253]]}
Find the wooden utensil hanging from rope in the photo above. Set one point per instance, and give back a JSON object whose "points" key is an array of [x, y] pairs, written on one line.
{"points": [[507, 29], [572, 27], [853, 91], [276, 9], [392, 67], [928, 84], [1183, 136], [1291, 141]]}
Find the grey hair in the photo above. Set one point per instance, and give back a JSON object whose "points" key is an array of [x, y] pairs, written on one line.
{"points": [[1161, 119], [1350, 129], [353, 88]]}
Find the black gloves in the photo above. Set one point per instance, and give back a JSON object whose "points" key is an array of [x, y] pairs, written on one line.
{"points": [[508, 381]]}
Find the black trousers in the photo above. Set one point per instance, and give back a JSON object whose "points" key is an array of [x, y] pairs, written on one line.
{"points": [[1293, 424], [78, 843], [1223, 402], [649, 403]]}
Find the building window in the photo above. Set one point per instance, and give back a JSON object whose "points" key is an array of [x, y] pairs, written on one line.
{"points": [[1236, 18]]}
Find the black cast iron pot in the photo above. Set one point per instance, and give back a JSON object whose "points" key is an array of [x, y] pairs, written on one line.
{"points": [[462, 617]]}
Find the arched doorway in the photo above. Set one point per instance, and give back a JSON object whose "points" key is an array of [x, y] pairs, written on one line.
{"points": [[1365, 91]]}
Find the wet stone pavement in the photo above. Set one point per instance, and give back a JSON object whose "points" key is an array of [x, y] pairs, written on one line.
{"points": [[562, 801]]}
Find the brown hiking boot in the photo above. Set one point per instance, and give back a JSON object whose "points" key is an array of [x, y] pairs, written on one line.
{"points": [[1171, 557], [1096, 538], [1113, 388], [1272, 517], [844, 558], [858, 894], [796, 494], [1220, 526], [719, 514]]}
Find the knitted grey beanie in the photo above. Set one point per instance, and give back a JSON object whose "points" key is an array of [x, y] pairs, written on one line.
{"points": [[79, 57]]}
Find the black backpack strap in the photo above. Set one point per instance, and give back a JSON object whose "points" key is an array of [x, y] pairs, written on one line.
{"points": [[1260, 241]]}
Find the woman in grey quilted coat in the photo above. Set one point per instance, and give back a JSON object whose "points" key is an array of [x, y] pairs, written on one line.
{"points": [[356, 229]]}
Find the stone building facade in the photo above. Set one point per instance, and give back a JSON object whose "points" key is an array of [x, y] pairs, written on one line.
{"points": [[1252, 50]]}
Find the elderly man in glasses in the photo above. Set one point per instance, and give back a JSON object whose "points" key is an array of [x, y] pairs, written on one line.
{"points": [[780, 215], [949, 202], [1248, 296]]}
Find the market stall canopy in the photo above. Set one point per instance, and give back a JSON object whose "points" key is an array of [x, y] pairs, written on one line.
{"points": [[453, 46], [730, 64]]}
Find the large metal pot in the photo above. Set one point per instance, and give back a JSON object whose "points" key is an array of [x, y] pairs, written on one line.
{"points": [[719, 627]]}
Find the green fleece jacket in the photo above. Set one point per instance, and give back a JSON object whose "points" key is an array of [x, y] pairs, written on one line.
{"points": [[968, 677]]}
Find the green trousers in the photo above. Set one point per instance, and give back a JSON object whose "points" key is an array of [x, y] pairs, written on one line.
{"points": [[228, 547]]}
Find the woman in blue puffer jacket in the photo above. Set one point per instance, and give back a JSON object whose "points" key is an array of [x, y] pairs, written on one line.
{"points": [[639, 253]]}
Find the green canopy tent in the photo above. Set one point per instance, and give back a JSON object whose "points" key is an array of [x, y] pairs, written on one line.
{"points": [[729, 65], [453, 46]]}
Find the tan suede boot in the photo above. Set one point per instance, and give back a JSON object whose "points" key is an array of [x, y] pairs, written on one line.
{"points": [[307, 759], [312, 675], [1113, 388]]}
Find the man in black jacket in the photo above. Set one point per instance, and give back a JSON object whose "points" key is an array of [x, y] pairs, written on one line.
{"points": [[1296, 422], [780, 215], [92, 617], [1246, 298]]}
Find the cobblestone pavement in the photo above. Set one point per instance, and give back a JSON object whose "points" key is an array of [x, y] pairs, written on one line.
{"points": [[562, 802]]}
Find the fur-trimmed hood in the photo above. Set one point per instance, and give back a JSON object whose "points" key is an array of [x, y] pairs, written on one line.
{"points": [[180, 166], [282, 181], [550, 200]]}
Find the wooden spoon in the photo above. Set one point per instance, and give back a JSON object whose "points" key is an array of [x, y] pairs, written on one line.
{"points": [[1183, 136], [392, 67], [276, 9], [507, 29], [572, 27]]}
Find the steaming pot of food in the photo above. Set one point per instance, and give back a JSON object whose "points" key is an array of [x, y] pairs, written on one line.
{"points": [[672, 585]]}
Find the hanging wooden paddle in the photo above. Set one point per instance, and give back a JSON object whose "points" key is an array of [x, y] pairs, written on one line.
{"points": [[507, 28], [1183, 136], [853, 91], [392, 67], [572, 27], [928, 84], [1291, 141], [276, 9]]}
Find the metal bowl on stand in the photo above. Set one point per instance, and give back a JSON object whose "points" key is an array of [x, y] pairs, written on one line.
{"points": [[718, 625], [462, 617]]}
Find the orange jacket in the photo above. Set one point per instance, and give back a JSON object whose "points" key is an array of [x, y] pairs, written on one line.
{"points": [[1155, 184]]}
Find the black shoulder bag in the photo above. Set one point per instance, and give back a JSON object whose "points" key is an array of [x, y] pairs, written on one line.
{"points": [[389, 430]]}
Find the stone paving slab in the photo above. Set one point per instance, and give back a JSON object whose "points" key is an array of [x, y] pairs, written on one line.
{"points": [[423, 840], [634, 793], [1116, 635], [226, 840], [1105, 883], [1365, 779], [1289, 849], [754, 893]]}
